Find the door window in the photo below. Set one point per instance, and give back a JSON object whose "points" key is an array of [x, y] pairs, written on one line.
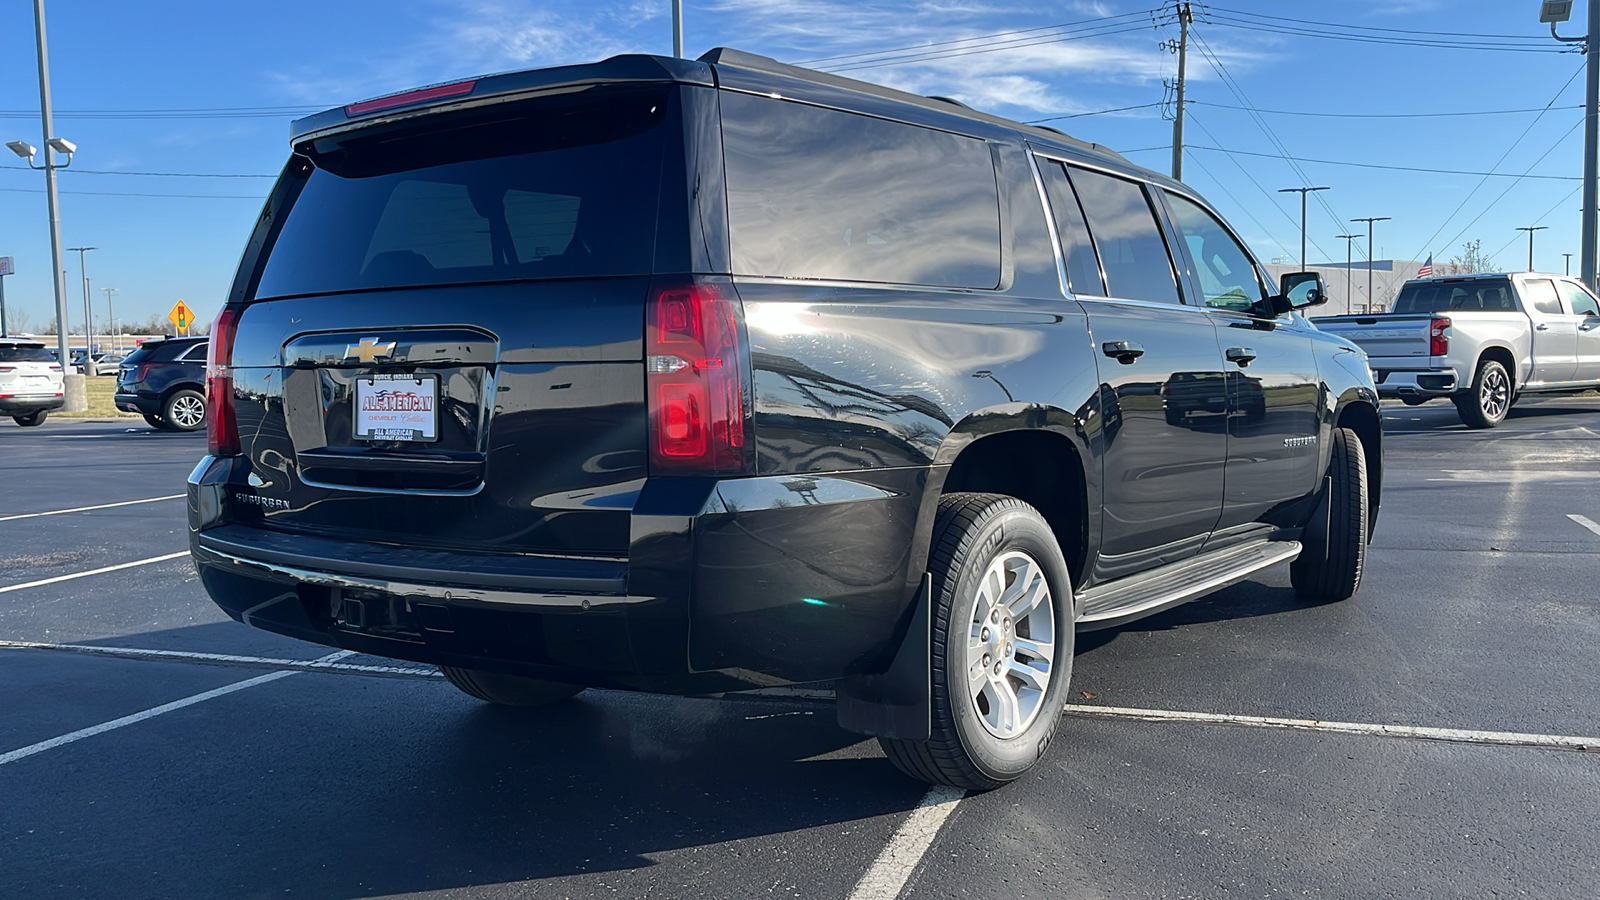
{"points": [[1132, 251], [1228, 278], [1579, 300], [1543, 294], [1077, 251]]}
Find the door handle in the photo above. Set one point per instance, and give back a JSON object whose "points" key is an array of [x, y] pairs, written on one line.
{"points": [[1124, 352], [1240, 355], [1541, 327]]}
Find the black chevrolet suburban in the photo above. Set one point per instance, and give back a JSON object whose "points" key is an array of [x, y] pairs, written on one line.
{"points": [[704, 376]]}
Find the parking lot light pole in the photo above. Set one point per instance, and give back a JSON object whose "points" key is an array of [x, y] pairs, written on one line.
{"points": [[76, 399], [1302, 191], [1569, 262], [1369, 222], [88, 317], [1530, 229], [111, 319], [1349, 240]]}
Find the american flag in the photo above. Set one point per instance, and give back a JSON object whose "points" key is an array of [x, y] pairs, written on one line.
{"points": [[1427, 268]]}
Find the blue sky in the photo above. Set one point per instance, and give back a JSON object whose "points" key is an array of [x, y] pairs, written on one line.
{"points": [[238, 72]]}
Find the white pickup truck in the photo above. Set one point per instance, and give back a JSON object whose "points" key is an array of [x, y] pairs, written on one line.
{"points": [[1481, 340]]}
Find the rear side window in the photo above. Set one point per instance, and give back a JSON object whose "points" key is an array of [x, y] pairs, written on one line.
{"points": [[15, 354], [1431, 297], [1083, 268], [554, 188], [818, 193], [1132, 251]]}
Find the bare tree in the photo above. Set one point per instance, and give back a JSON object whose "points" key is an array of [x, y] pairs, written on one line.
{"points": [[1471, 259]]}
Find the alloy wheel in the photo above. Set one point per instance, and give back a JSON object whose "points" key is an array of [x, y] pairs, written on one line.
{"points": [[1010, 644]]}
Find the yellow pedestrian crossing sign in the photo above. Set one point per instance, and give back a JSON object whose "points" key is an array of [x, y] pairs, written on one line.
{"points": [[182, 317]]}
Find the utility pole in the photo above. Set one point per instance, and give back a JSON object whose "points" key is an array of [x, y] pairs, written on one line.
{"points": [[1185, 16], [1370, 254], [111, 317], [88, 317], [1302, 191], [1530, 229], [1569, 262], [677, 28], [1349, 240], [77, 400]]}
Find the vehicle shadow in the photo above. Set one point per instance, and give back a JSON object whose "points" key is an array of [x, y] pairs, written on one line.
{"points": [[1245, 600], [346, 785]]}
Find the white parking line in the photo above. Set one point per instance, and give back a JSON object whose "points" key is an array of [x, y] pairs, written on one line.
{"points": [[80, 734], [1414, 732], [326, 662], [1585, 521], [893, 867], [62, 512], [127, 565]]}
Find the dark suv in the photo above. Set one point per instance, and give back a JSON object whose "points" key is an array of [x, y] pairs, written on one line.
{"points": [[698, 376], [165, 381]]}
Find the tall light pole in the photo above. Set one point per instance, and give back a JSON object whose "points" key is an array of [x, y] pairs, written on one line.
{"points": [[677, 28], [1370, 254], [1349, 240], [1569, 262], [1530, 229], [1554, 13], [88, 316], [111, 317], [76, 400], [1303, 191]]}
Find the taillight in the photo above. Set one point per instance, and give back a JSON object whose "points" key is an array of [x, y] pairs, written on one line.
{"points": [[694, 378], [1438, 341], [54, 367], [140, 372], [8, 368], [222, 429]]}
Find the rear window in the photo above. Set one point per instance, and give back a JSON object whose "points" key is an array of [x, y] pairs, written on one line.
{"points": [[558, 188], [818, 193], [13, 353], [1441, 296]]}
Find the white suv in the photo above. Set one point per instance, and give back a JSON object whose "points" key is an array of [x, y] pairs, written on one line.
{"points": [[30, 381]]}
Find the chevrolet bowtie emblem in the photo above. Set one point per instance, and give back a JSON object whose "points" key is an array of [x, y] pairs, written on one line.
{"points": [[368, 350]]}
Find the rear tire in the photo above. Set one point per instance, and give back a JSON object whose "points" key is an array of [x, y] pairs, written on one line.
{"points": [[1486, 403], [508, 690], [1002, 599], [30, 420], [185, 410], [157, 422], [1332, 559]]}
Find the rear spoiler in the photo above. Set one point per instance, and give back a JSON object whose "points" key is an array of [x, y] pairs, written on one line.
{"points": [[488, 89]]}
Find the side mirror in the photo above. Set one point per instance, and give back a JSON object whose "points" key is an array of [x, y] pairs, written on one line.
{"points": [[1303, 289]]}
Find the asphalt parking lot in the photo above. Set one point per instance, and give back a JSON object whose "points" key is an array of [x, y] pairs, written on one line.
{"points": [[1433, 737]]}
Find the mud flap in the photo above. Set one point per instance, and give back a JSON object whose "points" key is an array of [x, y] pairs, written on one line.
{"points": [[897, 703]]}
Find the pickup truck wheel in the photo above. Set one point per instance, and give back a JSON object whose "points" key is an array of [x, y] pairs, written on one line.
{"points": [[29, 420], [1485, 404], [508, 690], [1334, 549], [1002, 644]]}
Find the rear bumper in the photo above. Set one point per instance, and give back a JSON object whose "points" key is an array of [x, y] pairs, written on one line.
{"points": [[28, 403], [143, 404], [1403, 383], [727, 585]]}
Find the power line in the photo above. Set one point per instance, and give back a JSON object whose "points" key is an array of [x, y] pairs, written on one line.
{"points": [[1454, 40], [1546, 215], [1218, 182], [1004, 45], [978, 37], [151, 174], [1485, 180], [1438, 115], [1271, 198], [221, 112], [1338, 162], [1226, 22], [1492, 203], [257, 198], [1098, 112], [1403, 31]]}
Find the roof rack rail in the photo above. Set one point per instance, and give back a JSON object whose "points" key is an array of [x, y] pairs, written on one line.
{"points": [[951, 100]]}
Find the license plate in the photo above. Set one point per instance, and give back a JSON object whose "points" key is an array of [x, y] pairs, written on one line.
{"points": [[36, 381], [397, 408]]}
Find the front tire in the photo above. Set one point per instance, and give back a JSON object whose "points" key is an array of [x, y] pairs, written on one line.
{"points": [[1002, 644], [31, 420], [185, 410], [1334, 552], [508, 690], [1486, 403]]}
